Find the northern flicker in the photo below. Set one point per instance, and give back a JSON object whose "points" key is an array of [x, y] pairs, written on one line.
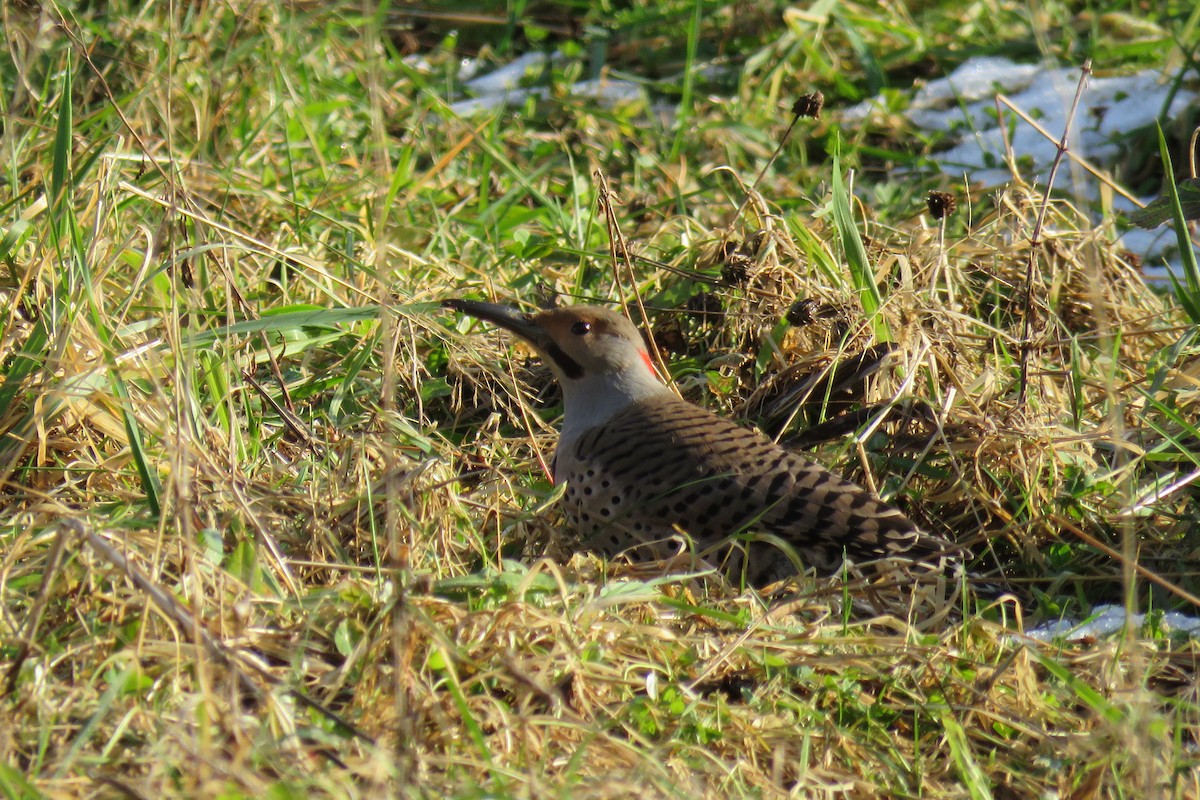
{"points": [[646, 470]]}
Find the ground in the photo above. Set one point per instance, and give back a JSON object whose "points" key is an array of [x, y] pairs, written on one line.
{"points": [[274, 524]]}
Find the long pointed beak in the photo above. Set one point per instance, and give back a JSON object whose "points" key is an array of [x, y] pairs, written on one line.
{"points": [[505, 317]]}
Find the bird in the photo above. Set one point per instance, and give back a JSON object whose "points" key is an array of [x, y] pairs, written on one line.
{"points": [[650, 475]]}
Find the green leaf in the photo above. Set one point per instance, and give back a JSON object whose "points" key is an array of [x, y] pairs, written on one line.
{"points": [[343, 638], [242, 563]]}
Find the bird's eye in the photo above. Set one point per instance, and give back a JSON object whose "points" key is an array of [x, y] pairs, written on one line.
{"points": [[581, 327]]}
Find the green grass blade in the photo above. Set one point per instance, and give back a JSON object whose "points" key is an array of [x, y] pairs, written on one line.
{"points": [[299, 317], [22, 365], [100, 325], [148, 477], [61, 157], [1189, 299], [683, 130], [861, 273], [15, 786], [1087, 694], [969, 770]]}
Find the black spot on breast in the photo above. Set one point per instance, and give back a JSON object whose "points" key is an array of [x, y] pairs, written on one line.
{"points": [[713, 509]]}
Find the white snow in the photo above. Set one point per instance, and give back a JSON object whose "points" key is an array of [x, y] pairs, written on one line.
{"points": [[1108, 619], [501, 87], [964, 105]]}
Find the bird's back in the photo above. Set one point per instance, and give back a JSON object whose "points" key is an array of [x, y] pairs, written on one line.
{"points": [[663, 466]]}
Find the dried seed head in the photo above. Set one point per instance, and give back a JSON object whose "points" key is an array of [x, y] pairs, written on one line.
{"points": [[806, 311], [809, 105], [941, 204]]}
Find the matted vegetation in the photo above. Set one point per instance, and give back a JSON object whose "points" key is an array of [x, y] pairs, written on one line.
{"points": [[273, 524]]}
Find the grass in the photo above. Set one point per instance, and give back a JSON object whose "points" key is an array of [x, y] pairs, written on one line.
{"points": [[275, 525]]}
